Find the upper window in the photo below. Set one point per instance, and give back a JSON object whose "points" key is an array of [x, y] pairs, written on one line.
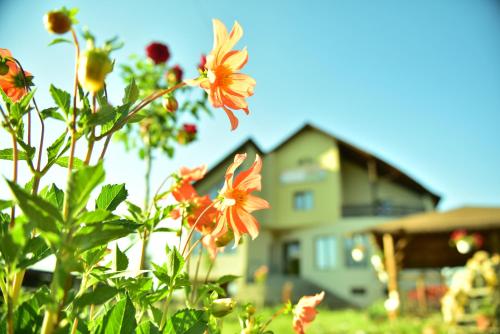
{"points": [[303, 200], [326, 252]]}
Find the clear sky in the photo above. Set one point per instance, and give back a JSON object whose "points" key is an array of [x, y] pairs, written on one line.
{"points": [[415, 82]]}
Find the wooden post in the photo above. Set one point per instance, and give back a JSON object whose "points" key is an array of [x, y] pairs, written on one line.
{"points": [[390, 265], [421, 297]]}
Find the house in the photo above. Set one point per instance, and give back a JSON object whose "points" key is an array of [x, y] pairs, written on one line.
{"points": [[320, 189]]}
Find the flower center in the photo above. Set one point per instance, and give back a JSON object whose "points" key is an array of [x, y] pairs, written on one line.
{"points": [[220, 76]]}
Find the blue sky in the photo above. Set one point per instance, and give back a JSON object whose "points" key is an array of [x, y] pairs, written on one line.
{"points": [[414, 82]]}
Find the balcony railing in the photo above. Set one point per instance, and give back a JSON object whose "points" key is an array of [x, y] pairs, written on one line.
{"points": [[378, 209]]}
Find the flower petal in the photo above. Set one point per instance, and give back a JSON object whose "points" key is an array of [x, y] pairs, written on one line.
{"points": [[232, 118], [235, 60], [220, 34], [250, 180], [254, 203]]}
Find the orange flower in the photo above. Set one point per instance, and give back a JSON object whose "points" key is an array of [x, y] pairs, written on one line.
{"points": [[236, 203], [208, 241], [305, 311], [12, 83], [226, 87], [183, 189]]}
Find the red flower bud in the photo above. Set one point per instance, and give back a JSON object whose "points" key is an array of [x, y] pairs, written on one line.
{"points": [[190, 128], [157, 52], [203, 62]]}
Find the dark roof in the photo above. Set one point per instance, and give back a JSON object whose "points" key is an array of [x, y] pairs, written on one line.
{"points": [[347, 150]]}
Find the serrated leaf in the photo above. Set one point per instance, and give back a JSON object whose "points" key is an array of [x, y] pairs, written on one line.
{"points": [[101, 294], [64, 161], [8, 154], [52, 113], [147, 327], [120, 319], [131, 93], [61, 98], [102, 116], [81, 184], [35, 250], [175, 262], [92, 217], [120, 261], [55, 147], [45, 216], [99, 234], [187, 322], [111, 196], [53, 195]]}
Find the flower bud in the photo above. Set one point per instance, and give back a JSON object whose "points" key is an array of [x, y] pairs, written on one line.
{"points": [[93, 68], [222, 307], [157, 52], [174, 75], [250, 309], [170, 104], [57, 22]]}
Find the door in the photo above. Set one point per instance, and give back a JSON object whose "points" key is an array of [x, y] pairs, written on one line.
{"points": [[291, 258]]}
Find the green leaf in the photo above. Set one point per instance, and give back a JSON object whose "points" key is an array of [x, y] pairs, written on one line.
{"points": [[99, 234], [111, 196], [120, 319], [51, 113], [55, 147], [98, 296], [147, 327], [53, 195], [59, 40], [120, 261], [35, 250], [187, 322], [61, 98], [102, 116], [175, 262], [5, 204], [227, 279], [8, 154], [45, 216], [92, 217], [131, 93], [80, 186], [64, 161]]}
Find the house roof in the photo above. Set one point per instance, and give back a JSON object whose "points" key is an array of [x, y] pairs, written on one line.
{"points": [[471, 218], [346, 149]]}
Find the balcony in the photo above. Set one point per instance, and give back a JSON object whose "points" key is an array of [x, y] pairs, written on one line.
{"points": [[379, 210]]}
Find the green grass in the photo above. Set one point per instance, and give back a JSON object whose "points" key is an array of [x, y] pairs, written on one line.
{"points": [[346, 322]]}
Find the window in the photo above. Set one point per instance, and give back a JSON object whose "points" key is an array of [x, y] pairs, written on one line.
{"points": [[303, 200], [326, 252], [306, 162], [356, 251]]}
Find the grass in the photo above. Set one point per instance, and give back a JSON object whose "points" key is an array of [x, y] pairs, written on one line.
{"points": [[347, 322]]}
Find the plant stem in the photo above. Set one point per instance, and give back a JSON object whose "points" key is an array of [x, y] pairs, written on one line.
{"points": [[196, 272], [15, 160], [147, 179], [90, 146], [191, 231], [51, 319], [274, 316]]}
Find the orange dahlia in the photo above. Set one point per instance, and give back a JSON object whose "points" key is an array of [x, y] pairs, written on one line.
{"points": [[12, 82], [225, 86]]}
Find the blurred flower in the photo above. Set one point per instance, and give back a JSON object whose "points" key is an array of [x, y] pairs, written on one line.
{"points": [[208, 241], [236, 203], [12, 81], [260, 275], [203, 62], [458, 234], [226, 87], [93, 68], [478, 240], [57, 22], [190, 128], [187, 134], [305, 311], [170, 103], [174, 75], [183, 190], [157, 52]]}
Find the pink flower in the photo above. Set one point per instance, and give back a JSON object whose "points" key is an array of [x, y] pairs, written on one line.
{"points": [[305, 311], [157, 52]]}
